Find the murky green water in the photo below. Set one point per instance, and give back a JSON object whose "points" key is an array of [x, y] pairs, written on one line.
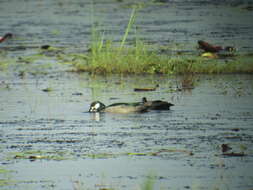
{"points": [[48, 140]]}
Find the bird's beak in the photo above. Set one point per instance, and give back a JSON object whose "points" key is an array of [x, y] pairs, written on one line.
{"points": [[92, 109]]}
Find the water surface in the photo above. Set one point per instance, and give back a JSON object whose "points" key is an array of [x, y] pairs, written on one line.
{"points": [[179, 24], [217, 111], [177, 149]]}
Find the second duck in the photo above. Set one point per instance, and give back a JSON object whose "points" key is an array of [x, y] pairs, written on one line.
{"points": [[156, 104]]}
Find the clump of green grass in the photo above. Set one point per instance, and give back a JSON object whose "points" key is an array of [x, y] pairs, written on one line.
{"points": [[141, 60], [108, 57], [125, 60]]}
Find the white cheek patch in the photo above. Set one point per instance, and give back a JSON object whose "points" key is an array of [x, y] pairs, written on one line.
{"points": [[97, 105]]}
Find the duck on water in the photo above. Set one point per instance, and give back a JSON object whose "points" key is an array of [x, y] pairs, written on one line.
{"points": [[137, 107], [157, 104], [98, 106]]}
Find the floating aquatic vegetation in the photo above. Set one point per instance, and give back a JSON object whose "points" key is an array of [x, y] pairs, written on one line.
{"points": [[5, 63], [159, 152], [56, 32], [5, 178], [47, 89], [4, 171], [31, 58], [40, 155], [146, 89], [50, 51], [6, 182]]}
